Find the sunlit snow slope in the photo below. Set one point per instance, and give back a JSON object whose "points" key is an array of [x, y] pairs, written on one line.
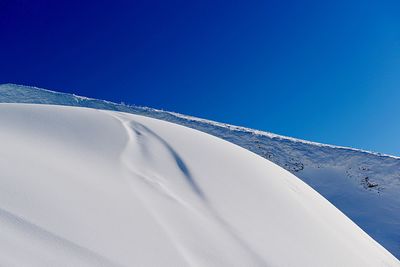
{"points": [[85, 187], [363, 185]]}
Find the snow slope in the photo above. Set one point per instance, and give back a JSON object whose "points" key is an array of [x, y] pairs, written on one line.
{"points": [[85, 187], [363, 185]]}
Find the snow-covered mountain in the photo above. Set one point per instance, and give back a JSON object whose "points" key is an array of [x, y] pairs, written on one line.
{"points": [[363, 185], [86, 187]]}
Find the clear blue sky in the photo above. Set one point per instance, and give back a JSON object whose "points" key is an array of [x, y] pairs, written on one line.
{"points": [[326, 71]]}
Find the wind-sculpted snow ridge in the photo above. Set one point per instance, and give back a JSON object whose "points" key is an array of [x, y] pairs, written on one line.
{"points": [[364, 185], [86, 187]]}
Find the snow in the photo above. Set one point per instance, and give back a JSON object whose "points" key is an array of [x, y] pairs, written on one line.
{"points": [[85, 187], [338, 173]]}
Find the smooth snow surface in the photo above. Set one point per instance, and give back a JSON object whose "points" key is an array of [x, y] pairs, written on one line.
{"points": [[84, 187], [363, 185]]}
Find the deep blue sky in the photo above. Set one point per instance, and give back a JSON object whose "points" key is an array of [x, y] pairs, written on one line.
{"points": [[326, 71]]}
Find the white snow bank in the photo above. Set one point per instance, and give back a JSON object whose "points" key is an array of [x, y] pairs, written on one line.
{"points": [[83, 187]]}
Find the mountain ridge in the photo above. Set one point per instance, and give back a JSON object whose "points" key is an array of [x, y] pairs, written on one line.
{"points": [[216, 123]]}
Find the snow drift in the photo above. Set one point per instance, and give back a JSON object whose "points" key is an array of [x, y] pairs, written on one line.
{"points": [[363, 185], [84, 187]]}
